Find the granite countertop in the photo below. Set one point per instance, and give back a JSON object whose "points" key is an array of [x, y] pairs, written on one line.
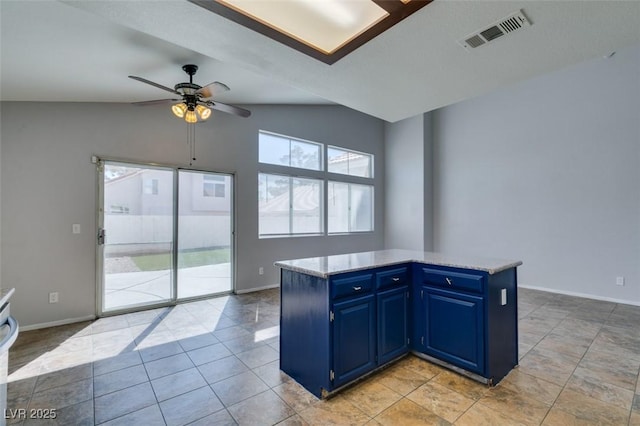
{"points": [[324, 266]]}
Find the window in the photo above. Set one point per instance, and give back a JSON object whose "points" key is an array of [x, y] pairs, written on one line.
{"points": [[212, 189], [118, 209], [289, 205], [349, 162], [292, 181], [150, 186], [285, 151], [350, 207]]}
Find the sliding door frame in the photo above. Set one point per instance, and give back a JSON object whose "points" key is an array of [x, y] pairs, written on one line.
{"points": [[99, 161]]}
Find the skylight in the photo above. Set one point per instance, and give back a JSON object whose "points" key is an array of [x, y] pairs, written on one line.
{"points": [[324, 29]]}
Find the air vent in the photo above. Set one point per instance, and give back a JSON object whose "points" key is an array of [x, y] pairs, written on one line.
{"points": [[514, 22]]}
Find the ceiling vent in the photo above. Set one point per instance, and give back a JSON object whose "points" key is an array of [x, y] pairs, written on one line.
{"points": [[512, 23]]}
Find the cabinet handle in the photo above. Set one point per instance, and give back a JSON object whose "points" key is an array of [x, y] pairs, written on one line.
{"points": [[449, 281], [357, 288], [395, 279]]}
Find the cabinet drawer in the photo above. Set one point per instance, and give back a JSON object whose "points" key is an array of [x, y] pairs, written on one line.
{"points": [[351, 286], [392, 278], [453, 280]]}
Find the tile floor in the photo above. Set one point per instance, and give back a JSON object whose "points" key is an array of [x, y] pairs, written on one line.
{"points": [[216, 362]]}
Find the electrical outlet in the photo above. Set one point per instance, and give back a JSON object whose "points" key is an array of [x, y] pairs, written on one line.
{"points": [[75, 228], [261, 271], [53, 297], [619, 280]]}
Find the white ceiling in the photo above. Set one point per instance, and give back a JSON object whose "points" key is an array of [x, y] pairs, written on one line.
{"points": [[82, 51]]}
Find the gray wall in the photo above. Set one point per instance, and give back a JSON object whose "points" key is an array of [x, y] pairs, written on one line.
{"points": [[404, 184], [548, 172], [48, 184], [409, 183]]}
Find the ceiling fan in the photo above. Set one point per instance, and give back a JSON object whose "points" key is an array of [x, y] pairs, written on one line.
{"points": [[195, 101]]}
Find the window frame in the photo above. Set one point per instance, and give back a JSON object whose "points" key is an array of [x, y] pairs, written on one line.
{"points": [[324, 176]]}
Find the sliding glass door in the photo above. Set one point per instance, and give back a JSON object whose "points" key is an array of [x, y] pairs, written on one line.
{"points": [[204, 233], [165, 234]]}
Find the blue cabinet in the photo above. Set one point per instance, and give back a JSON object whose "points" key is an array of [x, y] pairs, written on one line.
{"points": [[467, 319], [453, 324], [393, 324], [336, 329], [354, 339]]}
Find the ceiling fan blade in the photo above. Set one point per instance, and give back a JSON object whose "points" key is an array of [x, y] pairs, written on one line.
{"points": [[156, 102], [159, 86], [212, 89], [229, 109]]}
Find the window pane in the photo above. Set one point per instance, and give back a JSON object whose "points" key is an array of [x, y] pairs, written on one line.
{"points": [[306, 214], [350, 207], [361, 213], [337, 161], [305, 155], [349, 162], [284, 151], [273, 149], [273, 204], [338, 208]]}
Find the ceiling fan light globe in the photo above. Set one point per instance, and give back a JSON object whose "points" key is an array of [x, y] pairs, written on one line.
{"points": [[179, 109], [190, 117], [203, 112]]}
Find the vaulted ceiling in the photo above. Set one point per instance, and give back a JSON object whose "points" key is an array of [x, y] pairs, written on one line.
{"points": [[83, 51]]}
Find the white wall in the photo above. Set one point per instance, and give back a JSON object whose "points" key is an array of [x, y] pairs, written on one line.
{"points": [[548, 171], [48, 184]]}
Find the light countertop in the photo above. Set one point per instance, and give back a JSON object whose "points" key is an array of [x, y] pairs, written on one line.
{"points": [[323, 266]]}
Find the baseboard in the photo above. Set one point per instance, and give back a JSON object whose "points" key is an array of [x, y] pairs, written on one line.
{"points": [[251, 290], [57, 323], [585, 295]]}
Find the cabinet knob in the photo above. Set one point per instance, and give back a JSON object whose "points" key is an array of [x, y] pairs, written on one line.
{"points": [[449, 281], [395, 279], [357, 288]]}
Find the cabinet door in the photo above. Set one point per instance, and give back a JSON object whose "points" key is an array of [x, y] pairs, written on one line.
{"points": [[393, 330], [454, 328], [354, 339]]}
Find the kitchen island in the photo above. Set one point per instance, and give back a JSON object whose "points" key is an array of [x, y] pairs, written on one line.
{"points": [[345, 316]]}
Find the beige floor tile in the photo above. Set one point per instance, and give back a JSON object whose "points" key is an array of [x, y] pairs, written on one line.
{"points": [[371, 397], [587, 408], [586, 383], [421, 366], [148, 416], [441, 401], [107, 365], [481, 415], [222, 369], [219, 418], [208, 354], [258, 356], [239, 387], [401, 379], [190, 406], [634, 420], [176, 384], [568, 345], [547, 366], [119, 379], [63, 396], [557, 417], [531, 386], [609, 368], [295, 395], [294, 420], [80, 414], [334, 411], [169, 365], [117, 404], [408, 413], [63, 377], [265, 408], [461, 384], [271, 374], [512, 404]]}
